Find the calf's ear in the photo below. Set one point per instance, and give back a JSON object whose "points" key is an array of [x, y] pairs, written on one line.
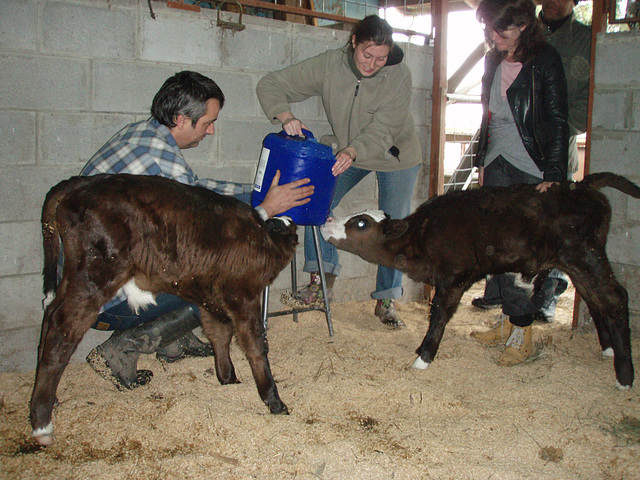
{"points": [[394, 228]]}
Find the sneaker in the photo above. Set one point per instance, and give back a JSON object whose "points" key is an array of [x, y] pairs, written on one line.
{"points": [[481, 302], [386, 311], [309, 296], [499, 332]]}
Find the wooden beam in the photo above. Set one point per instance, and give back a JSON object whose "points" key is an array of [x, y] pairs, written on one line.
{"points": [[598, 24], [439, 97]]}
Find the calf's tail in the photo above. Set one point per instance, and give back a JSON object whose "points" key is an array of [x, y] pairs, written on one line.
{"points": [[607, 179], [50, 232]]}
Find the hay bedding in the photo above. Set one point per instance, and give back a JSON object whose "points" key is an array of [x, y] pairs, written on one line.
{"points": [[357, 410]]}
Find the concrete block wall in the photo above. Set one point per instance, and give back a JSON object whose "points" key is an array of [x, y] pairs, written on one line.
{"points": [[616, 148], [73, 72]]}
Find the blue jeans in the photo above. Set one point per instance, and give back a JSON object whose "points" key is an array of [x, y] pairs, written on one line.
{"points": [[395, 191], [516, 302], [121, 317]]}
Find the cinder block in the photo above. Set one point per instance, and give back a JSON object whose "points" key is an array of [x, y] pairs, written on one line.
{"points": [[635, 110], [421, 106], [44, 83], [239, 91], [83, 30], [73, 138], [421, 66], [253, 49], [18, 25], [617, 59], [19, 349], [23, 189], [610, 109], [125, 87], [622, 244], [20, 248], [615, 151], [312, 44], [18, 133], [180, 37], [242, 139], [21, 305]]}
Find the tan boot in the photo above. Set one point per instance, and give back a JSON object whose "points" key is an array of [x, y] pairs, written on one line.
{"points": [[498, 333], [519, 347]]}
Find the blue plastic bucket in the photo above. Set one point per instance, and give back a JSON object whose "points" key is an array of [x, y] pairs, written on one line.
{"points": [[297, 158]]}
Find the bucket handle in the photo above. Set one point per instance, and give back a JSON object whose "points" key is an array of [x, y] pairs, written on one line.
{"points": [[307, 136]]}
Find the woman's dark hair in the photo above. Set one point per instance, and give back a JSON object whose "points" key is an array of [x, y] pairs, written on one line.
{"points": [[186, 93], [371, 29], [501, 14]]}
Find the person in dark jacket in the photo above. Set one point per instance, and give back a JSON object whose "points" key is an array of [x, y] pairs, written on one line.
{"points": [[524, 138]]}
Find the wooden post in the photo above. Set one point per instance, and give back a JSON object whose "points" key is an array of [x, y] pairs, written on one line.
{"points": [[439, 17], [598, 24]]}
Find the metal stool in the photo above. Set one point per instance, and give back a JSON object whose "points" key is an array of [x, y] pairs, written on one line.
{"points": [[294, 286]]}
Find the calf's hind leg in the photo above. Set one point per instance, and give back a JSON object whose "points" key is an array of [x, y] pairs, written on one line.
{"points": [[219, 330], [607, 301], [66, 325]]}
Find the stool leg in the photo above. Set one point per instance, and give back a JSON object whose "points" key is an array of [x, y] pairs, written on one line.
{"points": [[265, 307], [327, 309], [294, 283]]}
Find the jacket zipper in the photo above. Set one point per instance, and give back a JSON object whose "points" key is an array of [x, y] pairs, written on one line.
{"points": [[351, 112]]}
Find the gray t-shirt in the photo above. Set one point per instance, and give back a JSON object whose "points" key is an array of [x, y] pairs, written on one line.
{"points": [[504, 138]]}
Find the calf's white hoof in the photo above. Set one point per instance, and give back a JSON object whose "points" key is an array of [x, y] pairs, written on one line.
{"points": [[619, 386], [420, 364], [607, 353], [44, 435]]}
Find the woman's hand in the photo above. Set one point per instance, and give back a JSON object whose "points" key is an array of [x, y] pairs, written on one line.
{"points": [[344, 159], [544, 186], [291, 125], [480, 175]]}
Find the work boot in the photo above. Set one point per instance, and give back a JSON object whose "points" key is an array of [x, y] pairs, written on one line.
{"points": [[498, 333], [189, 345], [311, 295], [386, 311], [116, 359], [483, 303], [519, 347]]}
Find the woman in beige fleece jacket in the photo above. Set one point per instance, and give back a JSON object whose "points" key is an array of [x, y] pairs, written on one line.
{"points": [[366, 93]]}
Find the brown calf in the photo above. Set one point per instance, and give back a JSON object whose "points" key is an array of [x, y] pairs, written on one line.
{"points": [[454, 240], [209, 249]]}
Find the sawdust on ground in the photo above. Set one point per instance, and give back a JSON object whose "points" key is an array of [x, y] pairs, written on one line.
{"points": [[357, 410]]}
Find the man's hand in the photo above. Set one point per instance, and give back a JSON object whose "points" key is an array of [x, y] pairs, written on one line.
{"points": [[281, 198]]}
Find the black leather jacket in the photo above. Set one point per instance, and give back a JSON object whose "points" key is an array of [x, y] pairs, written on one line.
{"points": [[538, 101]]}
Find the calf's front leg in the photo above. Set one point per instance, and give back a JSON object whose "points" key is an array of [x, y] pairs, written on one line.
{"points": [[444, 305]]}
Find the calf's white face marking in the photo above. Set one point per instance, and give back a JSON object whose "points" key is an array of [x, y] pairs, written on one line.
{"points": [[335, 228]]}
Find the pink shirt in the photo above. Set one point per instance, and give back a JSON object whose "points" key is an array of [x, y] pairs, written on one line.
{"points": [[510, 71]]}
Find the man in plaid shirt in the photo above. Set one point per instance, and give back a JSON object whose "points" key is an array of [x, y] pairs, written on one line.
{"points": [[183, 113]]}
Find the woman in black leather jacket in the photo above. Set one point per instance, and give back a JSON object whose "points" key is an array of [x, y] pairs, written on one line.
{"points": [[524, 138]]}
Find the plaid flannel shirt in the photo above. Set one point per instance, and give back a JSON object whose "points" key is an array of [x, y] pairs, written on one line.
{"points": [[148, 148]]}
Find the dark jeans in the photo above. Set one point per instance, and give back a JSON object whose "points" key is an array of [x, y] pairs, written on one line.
{"points": [[121, 317], [516, 301]]}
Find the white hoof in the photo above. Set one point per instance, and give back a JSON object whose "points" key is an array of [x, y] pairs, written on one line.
{"points": [[622, 387], [420, 364], [607, 353], [44, 435]]}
